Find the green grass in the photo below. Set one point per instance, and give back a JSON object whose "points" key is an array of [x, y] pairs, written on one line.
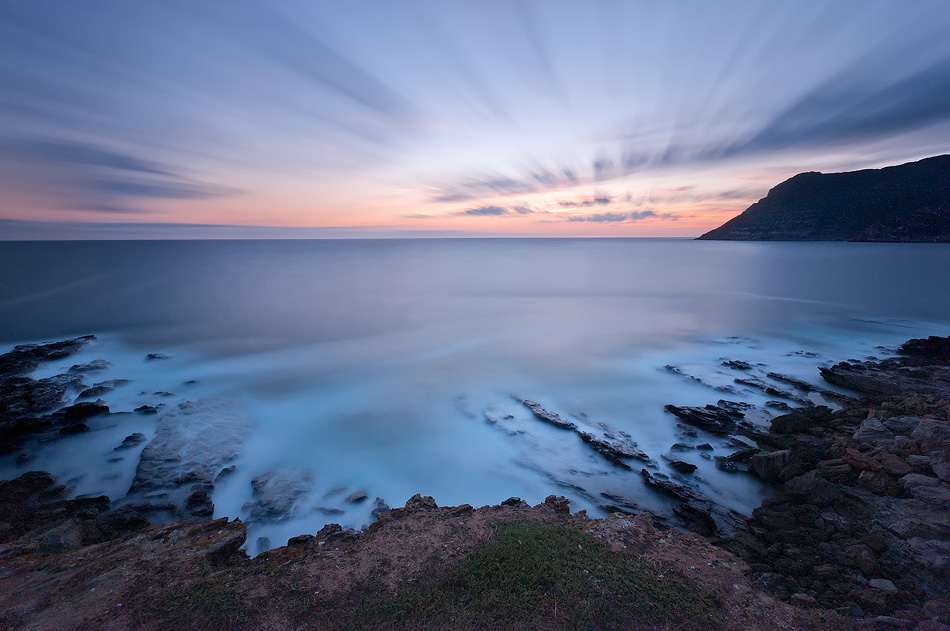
{"points": [[201, 605], [545, 576]]}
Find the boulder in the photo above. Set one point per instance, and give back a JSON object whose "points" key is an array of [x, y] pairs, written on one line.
{"points": [[812, 489], [767, 466], [193, 442], [873, 432], [276, 494]]}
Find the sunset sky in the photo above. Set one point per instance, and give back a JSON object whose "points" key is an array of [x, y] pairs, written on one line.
{"points": [[294, 118]]}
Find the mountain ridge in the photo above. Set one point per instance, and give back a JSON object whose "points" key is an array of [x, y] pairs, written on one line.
{"points": [[904, 203]]}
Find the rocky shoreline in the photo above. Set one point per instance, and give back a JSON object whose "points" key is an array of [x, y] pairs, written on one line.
{"points": [[858, 531]]}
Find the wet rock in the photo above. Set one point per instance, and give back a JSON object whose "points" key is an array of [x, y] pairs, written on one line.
{"points": [[420, 502], [704, 447], [670, 489], [768, 466], [224, 473], [146, 410], [381, 508], [781, 406], [812, 489], [83, 411], [94, 392], [935, 349], [801, 420], [358, 496], [328, 510], [193, 442], [26, 357], [873, 432], [682, 447], [97, 365], [682, 467], [764, 386], [737, 364], [276, 494], [130, 441], [551, 418], [199, 504], [157, 356], [804, 386], [712, 418]]}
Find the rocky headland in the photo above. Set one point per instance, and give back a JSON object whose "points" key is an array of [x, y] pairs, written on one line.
{"points": [[857, 533], [905, 203]]}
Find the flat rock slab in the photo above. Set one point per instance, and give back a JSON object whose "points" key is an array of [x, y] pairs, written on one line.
{"points": [[276, 493], [193, 442]]}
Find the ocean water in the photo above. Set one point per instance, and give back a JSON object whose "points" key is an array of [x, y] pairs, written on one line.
{"points": [[372, 363]]}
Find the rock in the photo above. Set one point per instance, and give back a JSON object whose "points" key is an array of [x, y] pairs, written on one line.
{"points": [[156, 356], [199, 504], [94, 392], [919, 463], [276, 494], [935, 349], [670, 489], [781, 406], [931, 625], [894, 465], [354, 498], [801, 420], [737, 364], [901, 425], [682, 467], [541, 414], [712, 418], [193, 442], [883, 584], [131, 441], [419, 502], [146, 409], [682, 447], [97, 365], [83, 411], [381, 508], [767, 466], [873, 432], [327, 510], [812, 489], [26, 357], [560, 504], [771, 390], [860, 462], [803, 600], [937, 495], [515, 501]]}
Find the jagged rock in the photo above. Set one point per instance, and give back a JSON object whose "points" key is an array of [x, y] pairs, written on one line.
{"points": [[96, 365], [873, 432], [682, 467], [737, 364], [764, 386], [275, 494], [157, 356], [934, 349], [711, 418], [26, 357], [83, 411], [199, 504], [812, 489], [354, 498], [381, 508], [804, 386], [419, 502], [94, 392], [515, 501], [802, 420], [131, 441], [193, 442], [546, 416], [767, 466], [671, 489], [146, 410]]}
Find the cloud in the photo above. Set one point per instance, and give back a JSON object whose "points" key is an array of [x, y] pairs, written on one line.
{"points": [[584, 203], [485, 211], [90, 177], [614, 217]]}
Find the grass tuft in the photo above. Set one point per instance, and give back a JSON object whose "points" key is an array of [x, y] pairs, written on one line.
{"points": [[546, 576]]}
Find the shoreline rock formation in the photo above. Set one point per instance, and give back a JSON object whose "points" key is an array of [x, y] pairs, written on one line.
{"points": [[905, 203]]}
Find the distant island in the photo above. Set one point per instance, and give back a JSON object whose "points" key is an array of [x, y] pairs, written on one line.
{"points": [[905, 203]]}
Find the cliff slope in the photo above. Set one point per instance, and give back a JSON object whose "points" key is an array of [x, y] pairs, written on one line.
{"points": [[908, 203]]}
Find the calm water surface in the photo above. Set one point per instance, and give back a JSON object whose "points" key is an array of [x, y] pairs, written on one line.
{"points": [[371, 363]]}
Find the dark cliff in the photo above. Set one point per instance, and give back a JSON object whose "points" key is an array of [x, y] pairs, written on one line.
{"points": [[909, 202]]}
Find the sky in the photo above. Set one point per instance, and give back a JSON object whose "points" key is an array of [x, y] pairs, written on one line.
{"points": [[303, 118]]}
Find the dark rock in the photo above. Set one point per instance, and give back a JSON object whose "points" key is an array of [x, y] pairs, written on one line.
{"points": [[764, 386], [704, 447], [515, 501], [541, 414], [97, 365], [157, 356], [327, 510], [737, 364], [561, 505], [146, 409], [94, 392], [83, 411], [682, 467], [276, 494], [767, 466], [812, 489], [420, 502], [802, 420], [381, 508], [358, 496], [199, 504], [670, 489], [682, 447], [26, 357], [902, 203], [131, 441], [804, 386], [711, 418], [932, 348]]}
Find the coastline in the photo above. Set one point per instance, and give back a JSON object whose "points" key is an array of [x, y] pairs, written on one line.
{"points": [[857, 527]]}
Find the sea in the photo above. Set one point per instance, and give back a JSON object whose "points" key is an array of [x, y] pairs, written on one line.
{"points": [[395, 366]]}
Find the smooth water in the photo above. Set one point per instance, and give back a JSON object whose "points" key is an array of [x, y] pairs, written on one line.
{"points": [[372, 363]]}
